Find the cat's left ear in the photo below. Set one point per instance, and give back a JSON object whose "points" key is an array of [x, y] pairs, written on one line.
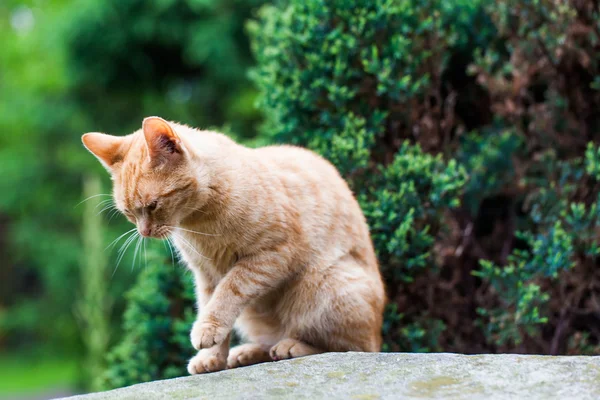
{"points": [[163, 143]]}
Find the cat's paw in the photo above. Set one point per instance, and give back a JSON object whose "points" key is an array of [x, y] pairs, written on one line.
{"points": [[291, 348], [207, 334], [247, 354], [206, 361]]}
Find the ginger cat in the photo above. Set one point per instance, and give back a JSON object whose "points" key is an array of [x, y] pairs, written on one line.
{"points": [[274, 237]]}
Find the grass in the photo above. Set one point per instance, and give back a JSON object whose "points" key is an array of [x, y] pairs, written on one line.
{"points": [[24, 373]]}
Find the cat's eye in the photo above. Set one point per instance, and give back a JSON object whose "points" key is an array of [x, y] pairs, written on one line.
{"points": [[152, 206]]}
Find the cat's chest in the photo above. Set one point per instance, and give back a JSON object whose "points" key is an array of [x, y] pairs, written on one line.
{"points": [[210, 256]]}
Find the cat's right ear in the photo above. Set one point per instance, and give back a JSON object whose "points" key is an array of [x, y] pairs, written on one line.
{"points": [[106, 148], [163, 143]]}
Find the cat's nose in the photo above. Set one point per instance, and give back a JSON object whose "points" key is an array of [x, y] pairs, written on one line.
{"points": [[145, 230]]}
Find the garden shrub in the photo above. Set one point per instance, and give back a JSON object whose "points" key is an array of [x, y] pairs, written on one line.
{"points": [[468, 131], [362, 84], [156, 325], [499, 211]]}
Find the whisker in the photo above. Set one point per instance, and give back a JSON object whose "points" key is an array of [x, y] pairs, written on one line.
{"points": [[123, 249], [165, 246], [124, 246], [132, 237], [103, 203], [145, 254], [175, 249], [193, 209], [91, 197], [114, 242], [140, 252], [171, 249], [137, 247], [188, 230], [112, 214], [191, 247], [108, 207]]}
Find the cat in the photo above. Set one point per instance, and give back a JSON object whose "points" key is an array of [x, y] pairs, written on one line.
{"points": [[277, 244]]}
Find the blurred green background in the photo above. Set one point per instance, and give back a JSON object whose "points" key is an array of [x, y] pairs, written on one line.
{"points": [[468, 130], [70, 67]]}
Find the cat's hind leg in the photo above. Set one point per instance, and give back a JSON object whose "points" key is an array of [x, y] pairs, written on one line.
{"points": [[334, 309], [247, 354]]}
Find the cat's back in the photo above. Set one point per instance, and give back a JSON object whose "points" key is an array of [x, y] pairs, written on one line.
{"points": [[308, 179], [325, 205], [292, 162]]}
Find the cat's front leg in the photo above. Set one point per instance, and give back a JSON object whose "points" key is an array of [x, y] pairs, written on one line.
{"points": [[208, 332], [212, 359], [249, 279], [204, 292], [208, 359]]}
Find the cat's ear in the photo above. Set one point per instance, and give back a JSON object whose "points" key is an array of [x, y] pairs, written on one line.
{"points": [[106, 148], [163, 143]]}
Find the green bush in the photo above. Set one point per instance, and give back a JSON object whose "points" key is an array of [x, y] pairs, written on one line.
{"points": [[156, 324], [500, 209], [354, 82], [466, 130]]}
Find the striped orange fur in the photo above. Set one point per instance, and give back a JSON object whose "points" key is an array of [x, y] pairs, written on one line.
{"points": [[277, 243]]}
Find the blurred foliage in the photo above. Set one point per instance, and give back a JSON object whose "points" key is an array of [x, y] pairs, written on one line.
{"points": [[33, 373], [40, 185], [93, 309], [69, 67], [156, 326], [185, 60]]}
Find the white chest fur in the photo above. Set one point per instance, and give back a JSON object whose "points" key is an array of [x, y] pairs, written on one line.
{"points": [[205, 255]]}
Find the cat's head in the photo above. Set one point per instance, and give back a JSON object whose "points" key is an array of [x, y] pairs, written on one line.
{"points": [[154, 183]]}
